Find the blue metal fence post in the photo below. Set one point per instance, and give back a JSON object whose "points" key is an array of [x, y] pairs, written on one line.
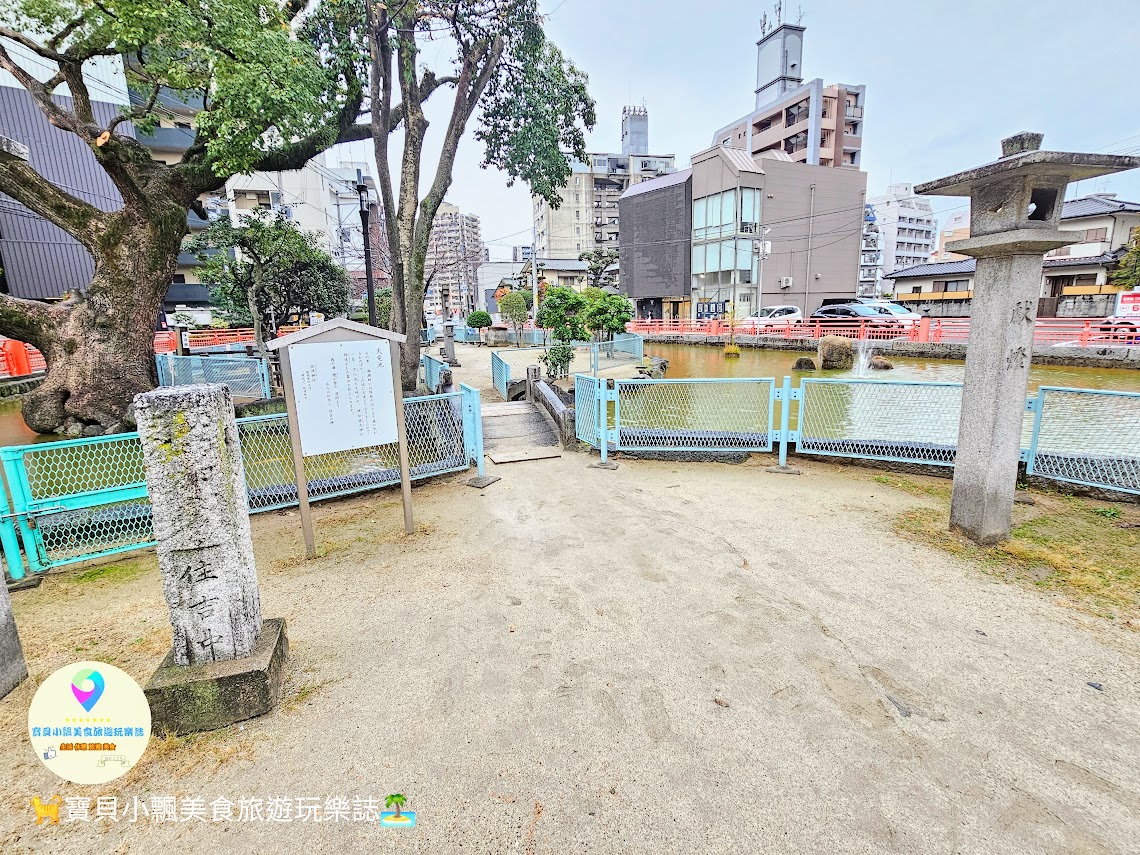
{"points": [[9, 543], [1038, 411], [473, 425], [785, 419], [266, 391], [603, 418], [14, 473]]}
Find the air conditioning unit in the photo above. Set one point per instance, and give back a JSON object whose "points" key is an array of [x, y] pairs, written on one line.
{"points": [[785, 281]]}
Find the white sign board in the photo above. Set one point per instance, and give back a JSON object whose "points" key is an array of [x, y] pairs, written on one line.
{"points": [[344, 394], [1128, 304]]}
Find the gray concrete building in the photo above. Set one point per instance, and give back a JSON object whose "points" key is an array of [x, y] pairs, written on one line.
{"points": [[656, 245], [587, 218], [761, 230]]}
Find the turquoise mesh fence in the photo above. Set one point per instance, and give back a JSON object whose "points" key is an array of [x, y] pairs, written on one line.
{"points": [[81, 499]]}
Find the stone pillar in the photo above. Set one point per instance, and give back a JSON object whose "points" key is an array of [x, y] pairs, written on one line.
{"points": [[225, 664], [196, 481], [1003, 314], [13, 669], [449, 345], [1015, 212]]}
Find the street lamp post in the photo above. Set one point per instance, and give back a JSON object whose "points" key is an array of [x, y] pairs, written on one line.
{"points": [[362, 192]]}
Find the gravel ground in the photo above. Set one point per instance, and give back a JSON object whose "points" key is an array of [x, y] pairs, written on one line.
{"points": [[664, 658]]}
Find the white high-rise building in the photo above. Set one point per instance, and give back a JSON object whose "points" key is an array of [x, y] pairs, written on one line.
{"points": [[906, 227], [454, 254]]}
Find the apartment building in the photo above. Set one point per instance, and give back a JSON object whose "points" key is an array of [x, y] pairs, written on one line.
{"points": [[587, 218], [742, 231], [519, 254], [955, 228], [870, 256], [451, 269], [813, 123], [1074, 279], [906, 227]]}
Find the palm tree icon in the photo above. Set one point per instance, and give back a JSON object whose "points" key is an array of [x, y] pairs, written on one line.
{"points": [[397, 800]]}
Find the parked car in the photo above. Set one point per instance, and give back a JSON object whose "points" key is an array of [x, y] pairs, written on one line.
{"points": [[772, 316], [898, 312], [849, 317]]}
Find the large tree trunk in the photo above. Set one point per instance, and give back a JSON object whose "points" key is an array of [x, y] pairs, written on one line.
{"points": [[99, 346]]}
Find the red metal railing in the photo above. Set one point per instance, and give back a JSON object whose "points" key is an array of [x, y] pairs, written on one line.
{"points": [[18, 359], [1066, 332]]}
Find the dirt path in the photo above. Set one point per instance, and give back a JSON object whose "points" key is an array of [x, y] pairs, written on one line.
{"points": [[665, 658]]}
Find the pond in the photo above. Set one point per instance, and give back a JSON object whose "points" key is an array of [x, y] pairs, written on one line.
{"points": [[708, 361]]}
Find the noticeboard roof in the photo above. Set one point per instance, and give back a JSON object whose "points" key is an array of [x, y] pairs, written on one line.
{"points": [[361, 330]]}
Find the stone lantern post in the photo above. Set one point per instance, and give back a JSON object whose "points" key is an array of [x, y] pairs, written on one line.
{"points": [[1015, 211]]}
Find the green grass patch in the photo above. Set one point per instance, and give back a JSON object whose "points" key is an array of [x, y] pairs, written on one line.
{"points": [[1089, 552], [119, 571]]}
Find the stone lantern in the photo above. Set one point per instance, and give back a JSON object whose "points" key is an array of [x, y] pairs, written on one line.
{"points": [[1015, 211]]}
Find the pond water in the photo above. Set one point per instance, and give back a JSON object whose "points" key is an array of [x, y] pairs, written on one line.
{"points": [[708, 361]]}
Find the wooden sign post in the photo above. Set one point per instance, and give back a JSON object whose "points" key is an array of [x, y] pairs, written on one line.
{"points": [[343, 392]]}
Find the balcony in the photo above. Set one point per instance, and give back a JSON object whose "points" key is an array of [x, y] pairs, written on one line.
{"points": [[853, 112]]}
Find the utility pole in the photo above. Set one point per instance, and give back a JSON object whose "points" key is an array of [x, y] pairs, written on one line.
{"points": [[811, 229], [370, 287], [762, 248]]}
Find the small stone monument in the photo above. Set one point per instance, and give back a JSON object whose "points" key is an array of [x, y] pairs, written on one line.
{"points": [[226, 663], [13, 669], [1015, 213]]}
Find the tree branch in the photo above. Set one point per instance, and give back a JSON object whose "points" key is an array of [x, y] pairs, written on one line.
{"points": [[25, 320], [20, 181], [32, 45], [137, 113]]}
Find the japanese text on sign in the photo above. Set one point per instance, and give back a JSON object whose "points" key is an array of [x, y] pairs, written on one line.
{"points": [[344, 395]]}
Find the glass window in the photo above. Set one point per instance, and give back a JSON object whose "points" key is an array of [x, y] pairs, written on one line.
{"points": [[727, 254], [749, 206], [699, 208], [712, 258], [744, 255], [698, 259], [728, 210]]}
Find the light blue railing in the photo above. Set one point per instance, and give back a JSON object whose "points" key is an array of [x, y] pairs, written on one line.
{"points": [[500, 375], [81, 499], [247, 376], [433, 368], [1082, 436], [467, 335]]}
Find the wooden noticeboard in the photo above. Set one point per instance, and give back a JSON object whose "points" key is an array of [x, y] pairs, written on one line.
{"points": [[342, 392]]}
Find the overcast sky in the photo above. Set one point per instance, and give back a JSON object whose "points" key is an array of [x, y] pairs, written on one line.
{"points": [[945, 82]]}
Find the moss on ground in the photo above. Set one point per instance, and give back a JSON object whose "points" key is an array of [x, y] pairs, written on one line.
{"points": [[1086, 550], [118, 571]]}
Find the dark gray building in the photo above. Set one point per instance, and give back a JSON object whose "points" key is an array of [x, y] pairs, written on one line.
{"points": [[39, 260], [655, 247]]}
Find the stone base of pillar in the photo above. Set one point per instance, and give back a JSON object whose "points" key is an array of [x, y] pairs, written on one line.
{"points": [[193, 698]]}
